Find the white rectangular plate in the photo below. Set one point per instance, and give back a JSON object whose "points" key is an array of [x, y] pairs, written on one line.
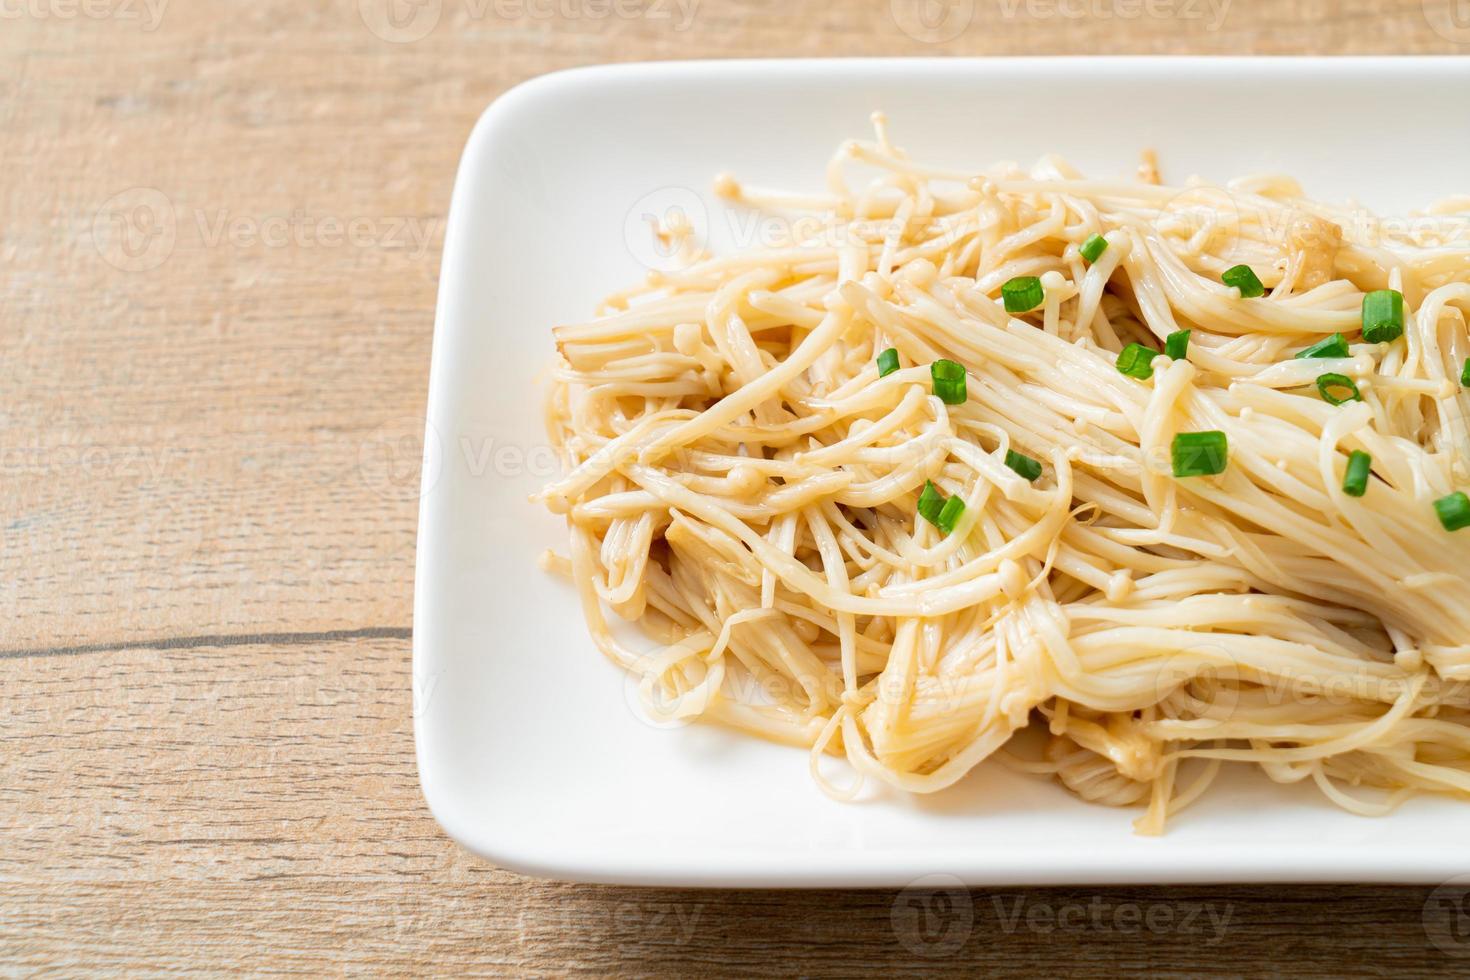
{"points": [[529, 751]]}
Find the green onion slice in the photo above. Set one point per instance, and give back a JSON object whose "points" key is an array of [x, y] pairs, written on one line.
{"points": [[949, 515], [1023, 465], [1355, 479], [1199, 453], [1465, 374], [1453, 511], [1333, 386], [1383, 316], [1136, 361], [1176, 345], [887, 362], [943, 514], [951, 392], [931, 502], [1334, 346], [1094, 246], [949, 381], [1022, 293], [1243, 278]]}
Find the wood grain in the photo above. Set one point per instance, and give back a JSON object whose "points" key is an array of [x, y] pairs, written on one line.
{"points": [[219, 237]]}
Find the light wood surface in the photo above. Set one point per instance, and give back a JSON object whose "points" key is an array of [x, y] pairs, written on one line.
{"points": [[220, 228]]}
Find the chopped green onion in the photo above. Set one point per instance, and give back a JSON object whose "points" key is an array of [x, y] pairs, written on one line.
{"points": [[1465, 374], [1022, 293], [1355, 479], [1176, 345], [1453, 511], [1334, 346], [1023, 465], [1330, 384], [887, 362], [1199, 453], [931, 502], [951, 392], [1093, 247], [1136, 361], [950, 515], [1243, 278], [1383, 316], [949, 381], [942, 513]]}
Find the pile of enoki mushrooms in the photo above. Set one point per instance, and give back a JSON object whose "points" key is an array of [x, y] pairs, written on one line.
{"points": [[907, 481]]}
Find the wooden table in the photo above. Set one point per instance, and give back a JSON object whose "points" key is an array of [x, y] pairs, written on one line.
{"points": [[219, 239]]}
